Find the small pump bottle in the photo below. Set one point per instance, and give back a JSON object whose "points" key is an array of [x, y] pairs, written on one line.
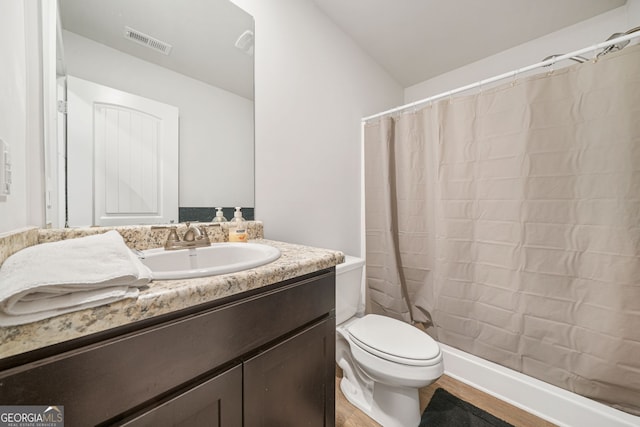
{"points": [[219, 216], [238, 227]]}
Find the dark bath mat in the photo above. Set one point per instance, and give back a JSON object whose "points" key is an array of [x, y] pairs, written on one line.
{"points": [[446, 410]]}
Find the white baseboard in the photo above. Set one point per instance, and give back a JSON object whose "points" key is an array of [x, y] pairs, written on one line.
{"points": [[551, 403]]}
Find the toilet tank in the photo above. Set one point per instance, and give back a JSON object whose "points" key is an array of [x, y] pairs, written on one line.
{"points": [[349, 293]]}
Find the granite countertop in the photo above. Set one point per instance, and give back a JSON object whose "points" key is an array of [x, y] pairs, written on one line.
{"points": [[166, 296]]}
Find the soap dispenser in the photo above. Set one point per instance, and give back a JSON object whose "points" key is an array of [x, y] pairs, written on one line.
{"points": [[238, 227], [219, 216]]}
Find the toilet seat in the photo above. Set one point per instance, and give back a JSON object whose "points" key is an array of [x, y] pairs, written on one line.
{"points": [[394, 341]]}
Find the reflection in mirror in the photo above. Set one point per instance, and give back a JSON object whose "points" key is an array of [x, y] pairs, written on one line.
{"points": [[140, 77]]}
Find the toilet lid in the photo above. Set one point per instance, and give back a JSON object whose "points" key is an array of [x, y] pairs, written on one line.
{"points": [[393, 340]]}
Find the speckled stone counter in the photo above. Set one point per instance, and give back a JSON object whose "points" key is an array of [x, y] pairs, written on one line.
{"points": [[162, 297]]}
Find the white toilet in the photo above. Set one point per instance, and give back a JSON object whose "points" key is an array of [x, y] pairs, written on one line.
{"points": [[384, 361]]}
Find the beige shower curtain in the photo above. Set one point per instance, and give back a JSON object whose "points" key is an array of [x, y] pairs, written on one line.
{"points": [[512, 225], [400, 226]]}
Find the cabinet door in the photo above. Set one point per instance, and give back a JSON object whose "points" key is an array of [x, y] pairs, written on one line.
{"points": [[293, 383], [216, 403]]}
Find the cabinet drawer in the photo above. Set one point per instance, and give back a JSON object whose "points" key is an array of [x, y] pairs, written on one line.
{"points": [[100, 381]]}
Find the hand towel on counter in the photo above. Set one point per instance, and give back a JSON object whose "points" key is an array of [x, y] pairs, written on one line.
{"points": [[55, 278]]}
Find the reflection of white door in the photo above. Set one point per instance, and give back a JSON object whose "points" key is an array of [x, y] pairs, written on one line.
{"points": [[122, 157]]}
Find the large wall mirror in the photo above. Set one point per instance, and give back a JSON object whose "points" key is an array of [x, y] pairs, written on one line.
{"points": [[159, 120]]}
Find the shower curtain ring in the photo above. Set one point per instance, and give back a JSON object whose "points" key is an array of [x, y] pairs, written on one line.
{"points": [[551, 68], [514, 81]]}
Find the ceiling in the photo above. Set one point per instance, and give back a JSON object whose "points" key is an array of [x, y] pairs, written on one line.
{"points": [[415, 40], [202, 35]]}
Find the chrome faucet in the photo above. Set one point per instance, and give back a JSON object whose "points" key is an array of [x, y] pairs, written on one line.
{"points": [[196, 234], [194, 237]]}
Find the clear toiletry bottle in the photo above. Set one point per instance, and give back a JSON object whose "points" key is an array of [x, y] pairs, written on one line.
{"points": [[219, 216], [238, 227]]}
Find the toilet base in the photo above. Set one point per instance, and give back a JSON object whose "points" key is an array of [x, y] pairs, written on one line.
{"points": [[390, 406]]}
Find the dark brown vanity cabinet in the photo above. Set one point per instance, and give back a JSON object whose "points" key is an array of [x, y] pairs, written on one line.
{"points": [[261, 358]]}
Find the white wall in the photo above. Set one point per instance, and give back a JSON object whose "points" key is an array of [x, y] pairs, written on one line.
{"points": [[580, 35], [313, 85], [20, 113], [216, 126]]}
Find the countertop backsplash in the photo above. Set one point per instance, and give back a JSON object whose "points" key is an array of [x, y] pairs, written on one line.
{"points": [[139, 237], [13, 241], [145, 237]]}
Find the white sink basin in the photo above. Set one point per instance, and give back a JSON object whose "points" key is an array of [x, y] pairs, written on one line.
{"points": [[219, 258]]}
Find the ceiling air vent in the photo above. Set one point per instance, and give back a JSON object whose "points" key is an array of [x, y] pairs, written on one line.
{"points": [[146, 40]]}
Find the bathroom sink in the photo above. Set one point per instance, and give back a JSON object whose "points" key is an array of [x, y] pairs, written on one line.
{"points": [[219, 258]]}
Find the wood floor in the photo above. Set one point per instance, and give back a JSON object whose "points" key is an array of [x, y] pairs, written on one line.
{"points": [[349, 416]]}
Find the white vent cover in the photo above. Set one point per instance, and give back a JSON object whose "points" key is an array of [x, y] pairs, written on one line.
{"points": [[147, 40]]}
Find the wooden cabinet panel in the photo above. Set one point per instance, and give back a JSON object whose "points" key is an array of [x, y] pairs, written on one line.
{"points": [[215, 403], [292, 383]]}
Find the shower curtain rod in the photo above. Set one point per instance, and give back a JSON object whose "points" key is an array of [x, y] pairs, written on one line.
{"points": [[512, 74]]}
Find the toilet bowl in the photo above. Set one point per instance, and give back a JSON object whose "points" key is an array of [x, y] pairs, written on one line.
{"points": [[384, 361]]}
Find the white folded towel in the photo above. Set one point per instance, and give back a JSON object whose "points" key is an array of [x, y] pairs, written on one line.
{"points": [[54, 278]]}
